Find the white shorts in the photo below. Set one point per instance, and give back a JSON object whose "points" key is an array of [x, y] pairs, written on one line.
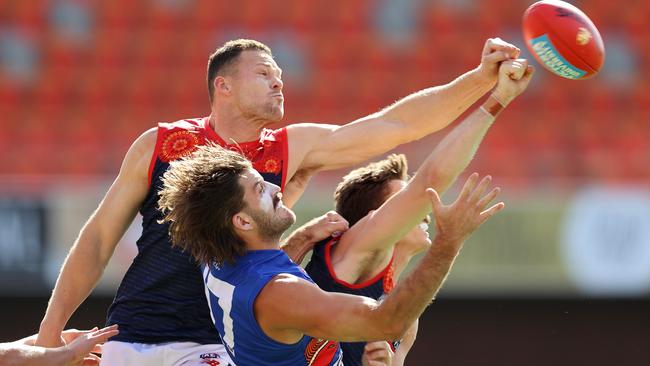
{"points": [[165, 354]]}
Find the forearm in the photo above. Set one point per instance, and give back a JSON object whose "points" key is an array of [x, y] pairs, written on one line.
{"points": [[409, 298], [405, 345], [298, 244], [454, 153], [79, 274], [432, 109], [13, 354]]}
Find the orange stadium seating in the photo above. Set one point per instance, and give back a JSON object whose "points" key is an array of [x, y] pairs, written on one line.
{"points": [[144, 61]]}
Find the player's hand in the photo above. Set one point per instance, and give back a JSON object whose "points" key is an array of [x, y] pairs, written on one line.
{"points": [[377, 354], [82, 343], [514, 77], [494, 52], [455, 222], [330, 224]]}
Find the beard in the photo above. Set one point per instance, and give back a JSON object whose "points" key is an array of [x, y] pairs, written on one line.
{"points": [[271, 225]]}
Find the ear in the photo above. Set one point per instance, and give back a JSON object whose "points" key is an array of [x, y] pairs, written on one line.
{"points": [[222, 85], [241, 221]]}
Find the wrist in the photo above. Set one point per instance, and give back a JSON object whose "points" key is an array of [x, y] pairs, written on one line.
{"points": [[447, 245], [50, 328], [493, 105], [484, 78]]}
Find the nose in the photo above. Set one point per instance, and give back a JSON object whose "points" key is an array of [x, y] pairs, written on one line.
{"points": [[277, 84], [274, 189]]}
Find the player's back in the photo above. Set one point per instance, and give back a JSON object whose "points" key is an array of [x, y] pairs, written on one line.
{"points": [[231, 290]]}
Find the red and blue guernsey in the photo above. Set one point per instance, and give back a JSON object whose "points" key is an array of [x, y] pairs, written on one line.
{"points": [[321, 271], [162, 298], [231, 290]]}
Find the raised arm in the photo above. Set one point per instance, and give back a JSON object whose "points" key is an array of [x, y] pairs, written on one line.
{"points": [[288, 307], [94, 247], [379, 231], [316, 147]]}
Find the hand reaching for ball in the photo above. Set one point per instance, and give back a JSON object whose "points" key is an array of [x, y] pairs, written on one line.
{"points": [[513, 79]]}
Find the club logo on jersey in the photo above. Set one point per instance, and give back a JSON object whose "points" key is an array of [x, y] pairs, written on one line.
{"points": [[178, 144], [321, 352], [210, 359]]}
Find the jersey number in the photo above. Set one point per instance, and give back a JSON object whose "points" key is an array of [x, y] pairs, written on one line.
{"points": [[223, 291]]}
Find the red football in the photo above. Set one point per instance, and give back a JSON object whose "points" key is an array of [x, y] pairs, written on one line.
{"points": [[563, 39]]}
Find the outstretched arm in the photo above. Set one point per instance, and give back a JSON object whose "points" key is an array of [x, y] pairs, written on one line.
{"points": [[316, 147], [288, 307], [379, 231], [94, 247]]}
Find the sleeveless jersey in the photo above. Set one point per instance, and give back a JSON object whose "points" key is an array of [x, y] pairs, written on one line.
{"points": [[231, 290], [321, 271], [161, 298]]}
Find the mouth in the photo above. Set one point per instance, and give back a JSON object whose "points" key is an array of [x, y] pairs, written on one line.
{"points": [[280, 96]]}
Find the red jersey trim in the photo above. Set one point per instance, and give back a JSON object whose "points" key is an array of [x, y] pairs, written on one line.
{"points": [[282, 134], [328, 263], [156, 151]]}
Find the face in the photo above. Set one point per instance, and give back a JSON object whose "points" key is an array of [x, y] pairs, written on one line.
{"points": [[417, 239], [257, 87], [264, 208]]}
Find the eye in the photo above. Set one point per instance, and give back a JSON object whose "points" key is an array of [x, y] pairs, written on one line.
{"points": [[263, 73]]}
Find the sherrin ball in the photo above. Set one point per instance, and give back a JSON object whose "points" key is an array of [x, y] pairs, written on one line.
{"points": [[563, 39]]}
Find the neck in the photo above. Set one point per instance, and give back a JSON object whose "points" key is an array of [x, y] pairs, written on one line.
{"points": [[235, 129], [258, 243]]}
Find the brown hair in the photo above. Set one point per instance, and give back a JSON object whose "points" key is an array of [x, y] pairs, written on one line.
{"points": [[199, 197], [224, 56], [364, 189]]}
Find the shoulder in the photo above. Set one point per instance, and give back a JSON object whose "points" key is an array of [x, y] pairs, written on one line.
{"points": [[189, 124], [142, 149], [284, 287]]}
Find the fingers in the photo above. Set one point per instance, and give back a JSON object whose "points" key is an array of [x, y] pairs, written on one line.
{"points": [[496, 57], [476, 195], [104, 334], [375, 363], [485, 215], [336, 224], [90, 360], [70, 335], [436, 205], [497, 44], [514, 69], [377, 353], [470, 183], [488, 198], [374, 346], [530, 70]]}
